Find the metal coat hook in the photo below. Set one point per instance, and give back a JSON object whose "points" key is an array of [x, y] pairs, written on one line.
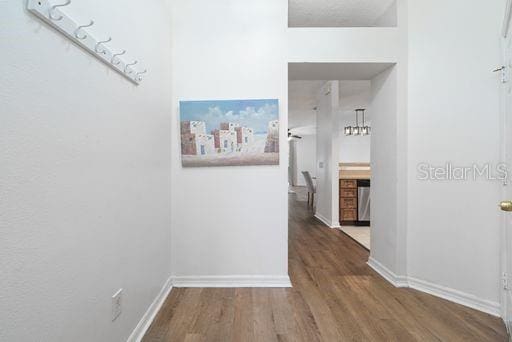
{"points": [[102, 42], [116, 55], [129, 65], [83, 32], [81, 27], [138, 75], [52, 9]]}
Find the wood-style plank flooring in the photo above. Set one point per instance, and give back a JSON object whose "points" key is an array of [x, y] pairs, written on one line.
{"points": [[335, 297]]}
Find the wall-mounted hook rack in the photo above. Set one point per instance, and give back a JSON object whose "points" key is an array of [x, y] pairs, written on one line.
{"points": [[52, 14]]}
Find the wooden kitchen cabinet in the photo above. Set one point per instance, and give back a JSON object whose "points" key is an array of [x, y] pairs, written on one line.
{"points": [[348, 201]]}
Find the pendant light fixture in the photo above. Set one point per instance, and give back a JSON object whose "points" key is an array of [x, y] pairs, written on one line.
{"points": [[348, 130], [365, 130], [353, 130], [358, 130]]}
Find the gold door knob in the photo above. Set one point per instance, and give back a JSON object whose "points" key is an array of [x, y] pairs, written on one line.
{"points": [[506, 205]]}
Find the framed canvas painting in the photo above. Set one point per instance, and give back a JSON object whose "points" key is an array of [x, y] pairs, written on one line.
{"points": [[229, 133]]}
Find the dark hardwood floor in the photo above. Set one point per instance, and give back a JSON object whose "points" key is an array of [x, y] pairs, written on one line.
{"points": [[335, 297]]}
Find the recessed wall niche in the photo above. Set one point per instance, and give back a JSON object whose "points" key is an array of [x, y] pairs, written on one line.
{"points": [[342, 13]]}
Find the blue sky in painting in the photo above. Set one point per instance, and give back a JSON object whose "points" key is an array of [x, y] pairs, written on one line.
{"points": [[250, 113]]}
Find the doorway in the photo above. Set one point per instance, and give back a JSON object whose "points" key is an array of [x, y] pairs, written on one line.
{"points": [[350, 171]]}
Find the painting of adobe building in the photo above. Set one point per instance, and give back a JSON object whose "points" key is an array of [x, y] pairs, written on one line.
{"points": [[229, 133]]}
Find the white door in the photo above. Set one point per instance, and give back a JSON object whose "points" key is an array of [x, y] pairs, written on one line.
{"points": [[503, 74]]}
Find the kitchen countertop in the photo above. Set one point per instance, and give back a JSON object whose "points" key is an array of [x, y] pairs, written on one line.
{"points": [[355, 171], [355, 174]]}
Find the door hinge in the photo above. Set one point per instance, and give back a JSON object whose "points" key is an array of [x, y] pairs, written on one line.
{"points": [[504, 280]]}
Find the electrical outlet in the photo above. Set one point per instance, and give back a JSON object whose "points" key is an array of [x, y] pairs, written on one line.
{"points": [[117, 304]]}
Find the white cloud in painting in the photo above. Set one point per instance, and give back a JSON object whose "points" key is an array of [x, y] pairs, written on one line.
{"points": [[250, 117]]}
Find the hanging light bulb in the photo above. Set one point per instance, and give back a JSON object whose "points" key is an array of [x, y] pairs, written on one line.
{"points": [[365, 130], [356, 130]]}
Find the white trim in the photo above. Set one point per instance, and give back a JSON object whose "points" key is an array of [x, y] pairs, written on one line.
{"points": [[326, 221], [506, 19], [231, 281], [395, 280], [456, 296], [148, 317]]}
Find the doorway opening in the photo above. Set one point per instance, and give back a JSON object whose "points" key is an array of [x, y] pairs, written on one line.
{"points": [[342, 138]]}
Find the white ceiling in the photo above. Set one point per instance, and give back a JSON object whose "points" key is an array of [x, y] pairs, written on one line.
{"points": [[336, 13], [306, 79], [302, 94], [335, 71], [302, 98]]}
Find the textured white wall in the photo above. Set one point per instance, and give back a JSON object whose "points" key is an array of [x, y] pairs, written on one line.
{"points": [[85, 174], [336, 13], [306, 157], [453, 235], [230, 50]]}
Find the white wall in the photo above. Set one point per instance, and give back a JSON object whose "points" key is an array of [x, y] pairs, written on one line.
{"points": [[302, 118], [354, 94], [327, 144], [230, 50], [306, 157], [371, 44], [384, 169], [85, 174], [388, 18], [453, 235], [354, 149]]}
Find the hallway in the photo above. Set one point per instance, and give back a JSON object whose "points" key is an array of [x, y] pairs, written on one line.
{"points": [[335, 297]]}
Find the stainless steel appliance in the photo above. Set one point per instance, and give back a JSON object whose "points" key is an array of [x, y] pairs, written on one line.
{"points": [[363, 202]]}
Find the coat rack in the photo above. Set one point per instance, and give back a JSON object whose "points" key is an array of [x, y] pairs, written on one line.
{"points": [[78, 33]]}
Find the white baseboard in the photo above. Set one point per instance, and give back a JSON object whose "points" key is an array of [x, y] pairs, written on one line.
{"points": [[459, 297], [146, 320], [395, 280], [326, 221], [231, 281]]}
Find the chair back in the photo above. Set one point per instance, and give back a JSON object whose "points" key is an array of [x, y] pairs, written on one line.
{"points": [[309, 181]]}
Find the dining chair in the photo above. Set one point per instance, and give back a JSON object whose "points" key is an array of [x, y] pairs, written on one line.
{"points": [[310, 186]]}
